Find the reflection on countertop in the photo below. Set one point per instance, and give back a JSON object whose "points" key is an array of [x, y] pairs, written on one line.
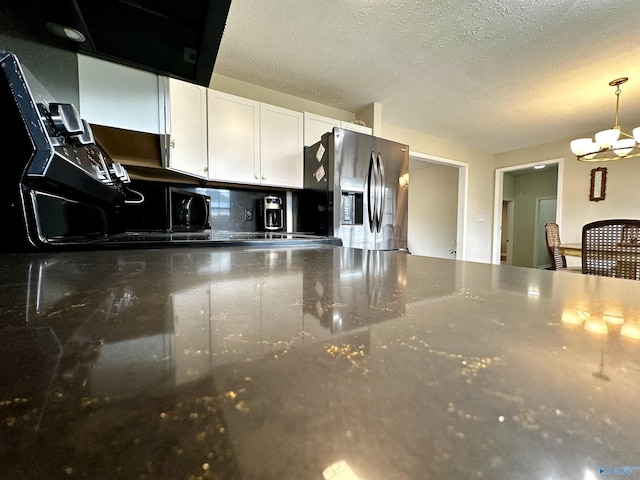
{"points": [[304, 362], [211, 238]]}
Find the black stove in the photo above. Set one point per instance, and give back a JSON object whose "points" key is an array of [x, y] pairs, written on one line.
{"points": [[59, 187]]}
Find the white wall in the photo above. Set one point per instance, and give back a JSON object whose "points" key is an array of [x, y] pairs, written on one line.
{"points": [[433, 210]]}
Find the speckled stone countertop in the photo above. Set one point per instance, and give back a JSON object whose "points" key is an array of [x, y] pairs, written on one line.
{"points": [[240, 363]]}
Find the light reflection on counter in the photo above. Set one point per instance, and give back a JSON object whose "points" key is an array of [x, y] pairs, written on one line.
{"points": [[611, 321]]}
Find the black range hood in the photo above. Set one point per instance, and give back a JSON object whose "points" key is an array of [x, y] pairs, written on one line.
{"points": [[177, 39]]}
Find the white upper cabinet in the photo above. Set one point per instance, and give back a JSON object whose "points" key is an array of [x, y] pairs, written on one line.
{"points": [[118, 96], [234, 138], [315, 126], [281, 149], [184, 132], [356, 128], [254, 143]]}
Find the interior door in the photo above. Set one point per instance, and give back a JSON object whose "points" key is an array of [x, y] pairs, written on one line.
{"points": [[545, 212]]}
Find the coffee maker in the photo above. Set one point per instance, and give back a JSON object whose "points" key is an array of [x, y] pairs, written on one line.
{"points": [[272, 215]]}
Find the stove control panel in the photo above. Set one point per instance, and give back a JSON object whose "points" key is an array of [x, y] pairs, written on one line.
{"points": [[66, 118], [72, 139]]}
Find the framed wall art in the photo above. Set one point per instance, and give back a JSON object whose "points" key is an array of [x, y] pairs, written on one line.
{"points": [[598, 184]]}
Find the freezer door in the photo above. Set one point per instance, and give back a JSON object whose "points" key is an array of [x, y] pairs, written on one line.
{"points": [[352, 152], [393, 207], [313, 206]]}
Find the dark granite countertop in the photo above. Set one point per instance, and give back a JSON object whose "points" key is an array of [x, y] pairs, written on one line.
{"points": [[279, 363]]}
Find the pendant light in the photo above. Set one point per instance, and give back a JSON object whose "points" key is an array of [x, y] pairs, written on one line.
{"points": [[608, 144]]}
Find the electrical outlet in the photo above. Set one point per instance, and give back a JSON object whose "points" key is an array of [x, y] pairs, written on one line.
{"points": [[248, 214]]}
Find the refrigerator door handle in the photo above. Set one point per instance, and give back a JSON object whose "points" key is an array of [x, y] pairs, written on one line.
{"points": [[372, 193], [380, 201]]}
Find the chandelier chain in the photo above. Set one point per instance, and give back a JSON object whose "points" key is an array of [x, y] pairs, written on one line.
{"points": [[618, 91]]}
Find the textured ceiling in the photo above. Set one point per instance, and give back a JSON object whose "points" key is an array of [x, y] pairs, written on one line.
{"points": [[496, 75]]}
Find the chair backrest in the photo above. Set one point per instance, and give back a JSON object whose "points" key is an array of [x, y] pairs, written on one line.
{"points": [[631, 234], [611, 248], [552, 236]]}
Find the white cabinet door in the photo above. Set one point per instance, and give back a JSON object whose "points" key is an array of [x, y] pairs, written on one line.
{"points": [[355, 127], [117, 96], [185, 129], [254, 143], [234, 138], [281, 146], [315, 126]]}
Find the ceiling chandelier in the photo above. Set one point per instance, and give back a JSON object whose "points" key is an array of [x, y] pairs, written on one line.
{"points": [[609, 145]]}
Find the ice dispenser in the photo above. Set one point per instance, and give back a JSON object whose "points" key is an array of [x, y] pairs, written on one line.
{"points": [[351, 208]]}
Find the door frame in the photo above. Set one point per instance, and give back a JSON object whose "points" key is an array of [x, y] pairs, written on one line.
{"points": [[499, 190], [463, 187], [510, 219]]}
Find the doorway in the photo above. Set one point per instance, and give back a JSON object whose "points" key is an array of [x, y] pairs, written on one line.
{"points": [[526, 185], [437, 206]]}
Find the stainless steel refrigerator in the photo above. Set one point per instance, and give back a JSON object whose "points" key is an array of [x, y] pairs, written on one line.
{"points": [[355, 188]]}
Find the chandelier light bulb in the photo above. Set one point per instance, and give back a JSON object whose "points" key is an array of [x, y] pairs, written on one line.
{"points": [[606, 138], [580, 146], [592, 149], [624, 146]]}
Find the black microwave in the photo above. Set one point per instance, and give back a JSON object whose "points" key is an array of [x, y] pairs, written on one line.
{"points": [[168, 209], [188, 211]]}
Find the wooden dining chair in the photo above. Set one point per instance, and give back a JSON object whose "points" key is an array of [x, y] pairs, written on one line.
{"points": [[611, 248], [558, 261], [552, 236]]}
